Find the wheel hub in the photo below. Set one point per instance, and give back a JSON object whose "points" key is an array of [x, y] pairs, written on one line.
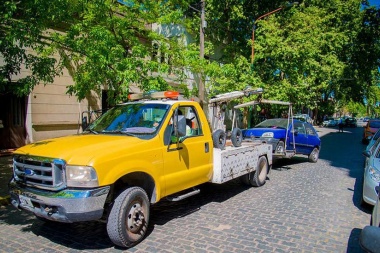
{"points": [[135, 218]]}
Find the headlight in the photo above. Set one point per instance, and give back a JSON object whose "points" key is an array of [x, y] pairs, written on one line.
{"points": [[81, 176], [374, 174], [267, 134]]}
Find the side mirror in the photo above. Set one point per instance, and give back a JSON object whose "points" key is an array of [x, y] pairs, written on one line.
{"points": [[84, 123], [366, 153]]}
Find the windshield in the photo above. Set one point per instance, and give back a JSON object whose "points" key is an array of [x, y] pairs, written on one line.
{"points": [[273, 123], [132, 119], [302, 118]]}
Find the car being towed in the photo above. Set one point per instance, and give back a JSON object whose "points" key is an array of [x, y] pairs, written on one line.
{"points": [[286, 139]]}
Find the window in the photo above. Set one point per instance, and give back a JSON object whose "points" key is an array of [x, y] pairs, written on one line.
{"points": [[193, 127], [310, 130], [299, 128]]}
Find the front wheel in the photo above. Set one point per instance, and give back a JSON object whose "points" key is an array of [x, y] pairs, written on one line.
{"points": [[280, 147], [129, 217], [314, 155]]}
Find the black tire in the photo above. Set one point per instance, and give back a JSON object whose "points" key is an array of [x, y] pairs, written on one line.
{"points": [[280, 148], [314, 155], [46, 220], [219, 139], [129, 217], [260, 175], [236, 137]]}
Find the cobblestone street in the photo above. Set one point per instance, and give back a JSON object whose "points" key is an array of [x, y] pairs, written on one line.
{"points": [[303, 207]]}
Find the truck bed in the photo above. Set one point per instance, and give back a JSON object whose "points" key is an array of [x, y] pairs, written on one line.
{"points": [[233, 162]]}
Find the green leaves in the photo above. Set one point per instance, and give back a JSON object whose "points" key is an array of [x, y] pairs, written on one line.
{"points": [[303, 54]]}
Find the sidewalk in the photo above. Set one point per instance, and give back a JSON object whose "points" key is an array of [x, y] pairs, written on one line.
{"points": [[5, 176]]}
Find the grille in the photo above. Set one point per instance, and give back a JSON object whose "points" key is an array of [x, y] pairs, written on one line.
{"points": [[40, 172]]}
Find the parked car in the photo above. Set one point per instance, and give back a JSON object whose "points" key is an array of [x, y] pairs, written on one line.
{"points": [[370, 129], [373, 139], [370, 236], [277, 132], [303, 117], [330, 122], [371, 177], [375, 217], [350, 122]]}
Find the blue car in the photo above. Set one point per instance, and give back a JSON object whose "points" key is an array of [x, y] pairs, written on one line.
{"points": [[286, 139]]}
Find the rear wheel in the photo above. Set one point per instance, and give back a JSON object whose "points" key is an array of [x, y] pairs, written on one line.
{"points": [[314, 155], [129, 217], [261, 172], [258, 177]]}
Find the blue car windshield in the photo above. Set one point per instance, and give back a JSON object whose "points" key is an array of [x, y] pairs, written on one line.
{"points": [[273, 123], [131, 119]]}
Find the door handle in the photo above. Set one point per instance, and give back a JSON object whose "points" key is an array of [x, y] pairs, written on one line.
{"points": [[207, 147]]}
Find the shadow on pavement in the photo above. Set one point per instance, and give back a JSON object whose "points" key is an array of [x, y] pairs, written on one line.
{"points": [[353, 245]]}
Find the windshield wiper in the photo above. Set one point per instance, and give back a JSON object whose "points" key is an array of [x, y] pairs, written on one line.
{"points": [[119, 132], [92, 131]]}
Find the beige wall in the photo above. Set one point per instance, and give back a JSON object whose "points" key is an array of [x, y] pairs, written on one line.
{"points": [[53, 113], [50, 111]]}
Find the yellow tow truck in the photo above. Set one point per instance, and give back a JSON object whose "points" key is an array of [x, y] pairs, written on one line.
{"points": [[131, 157]]}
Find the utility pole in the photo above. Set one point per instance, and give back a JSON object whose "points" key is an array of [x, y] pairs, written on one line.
{"points": [[201, 91]]}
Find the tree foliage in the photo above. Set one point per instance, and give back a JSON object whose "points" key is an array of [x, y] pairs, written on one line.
{"points": [[312, 53], [109, 46], [309, 54], [22, 26]]}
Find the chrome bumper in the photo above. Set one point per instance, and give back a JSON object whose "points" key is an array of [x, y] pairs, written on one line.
{"points": [[63, 206]]}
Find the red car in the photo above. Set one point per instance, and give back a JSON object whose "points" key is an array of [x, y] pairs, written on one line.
{"points": [[370, 129]]}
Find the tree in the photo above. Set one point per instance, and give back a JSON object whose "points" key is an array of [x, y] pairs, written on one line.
{"points": [[110, 44], [306, 54], [103, 43], [22, 26]]}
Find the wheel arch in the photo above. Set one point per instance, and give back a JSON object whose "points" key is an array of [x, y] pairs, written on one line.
{"points": [[140, 179]]}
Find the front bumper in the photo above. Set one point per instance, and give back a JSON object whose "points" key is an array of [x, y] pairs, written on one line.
{"points": [[369, 192], [69, 205], [267, 140]]}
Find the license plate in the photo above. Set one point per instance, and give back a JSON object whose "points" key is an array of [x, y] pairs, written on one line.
{"points": [[25, 201]]}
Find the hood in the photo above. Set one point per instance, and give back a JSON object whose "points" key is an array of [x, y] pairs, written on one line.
{"points": [[258, 132], [80, 149], [372, 129]]}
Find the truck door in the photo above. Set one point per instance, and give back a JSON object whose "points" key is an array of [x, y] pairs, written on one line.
{"points": [[191, 163]]}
